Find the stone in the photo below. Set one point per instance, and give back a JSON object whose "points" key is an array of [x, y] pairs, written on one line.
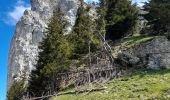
{"points": [[154, 54], [30, 31]]}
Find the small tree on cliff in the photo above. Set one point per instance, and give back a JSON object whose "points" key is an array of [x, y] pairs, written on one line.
{"points": [[17, 90], [53, 57], [158, 16]]}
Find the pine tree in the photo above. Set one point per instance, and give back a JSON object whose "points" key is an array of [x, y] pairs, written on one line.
{"points": [[17, 90], [158, 16], [120, 17], [53, 57], [101, 22], [83, 34]]}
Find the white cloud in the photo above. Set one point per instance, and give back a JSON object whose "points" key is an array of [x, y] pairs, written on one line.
{"points": [[139, 2], [17, 13], [91, 0], [14, 15]]}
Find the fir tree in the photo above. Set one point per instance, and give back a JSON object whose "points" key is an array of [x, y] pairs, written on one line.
{"points": [[53, 57], [158, 16], [101, 22], [83, 34], [120, 17], [17, 90]]}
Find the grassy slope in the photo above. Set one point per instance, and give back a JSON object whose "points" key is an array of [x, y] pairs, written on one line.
{"points": [[143, 85], [126, 43]]}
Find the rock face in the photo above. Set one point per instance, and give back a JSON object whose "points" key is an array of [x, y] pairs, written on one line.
{"points": [[30, 31], [154, 54]]}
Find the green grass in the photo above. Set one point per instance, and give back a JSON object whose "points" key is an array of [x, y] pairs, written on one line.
{"points": [[142, 85]]}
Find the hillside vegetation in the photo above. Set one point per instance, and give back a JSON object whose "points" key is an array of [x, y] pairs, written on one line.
{"points": [[126, 42], [60, 53], [142, 85], [85, 58]]}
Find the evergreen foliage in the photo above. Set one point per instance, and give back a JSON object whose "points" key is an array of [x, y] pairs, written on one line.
{"points": [[101, 22], [17, 90], [158, 16], [53, 57], [83, 35], [120, 17], [58, 50]]}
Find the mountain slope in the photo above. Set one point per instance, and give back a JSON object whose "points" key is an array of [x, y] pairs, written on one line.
{"points": [[143, 85], [30, 31]]}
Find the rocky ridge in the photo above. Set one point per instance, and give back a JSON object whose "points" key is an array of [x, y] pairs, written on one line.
{"points": [[30, 31], [154, 54]]}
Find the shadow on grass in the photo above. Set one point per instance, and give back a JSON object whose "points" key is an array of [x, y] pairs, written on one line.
{"points": [[144, 72], [133, 40], [138, 38], [70, 87]]}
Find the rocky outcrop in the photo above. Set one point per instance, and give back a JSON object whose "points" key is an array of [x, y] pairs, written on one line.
{"points": [[154, 54], [30, 31]]}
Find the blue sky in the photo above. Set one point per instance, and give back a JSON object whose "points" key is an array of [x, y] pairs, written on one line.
{"points": [[10, 13]]}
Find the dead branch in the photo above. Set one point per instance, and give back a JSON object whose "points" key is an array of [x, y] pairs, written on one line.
{"points": [[68, 92]]}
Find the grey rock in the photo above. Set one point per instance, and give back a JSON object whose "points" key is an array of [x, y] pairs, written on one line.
{"points": [[154, 54], [30, 31]]}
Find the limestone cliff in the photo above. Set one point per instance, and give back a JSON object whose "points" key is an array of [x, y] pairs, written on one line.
{"points": [[30, 31], [153, 53]]}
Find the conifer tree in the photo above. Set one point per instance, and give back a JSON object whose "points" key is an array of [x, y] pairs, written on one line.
{"points": [[53, 57], [158, 16], [120, 17], [83, 33], [101, 22], [17, 90]]}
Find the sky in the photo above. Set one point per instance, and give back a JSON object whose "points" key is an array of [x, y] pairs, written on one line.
{"points": [[10, 13]]}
